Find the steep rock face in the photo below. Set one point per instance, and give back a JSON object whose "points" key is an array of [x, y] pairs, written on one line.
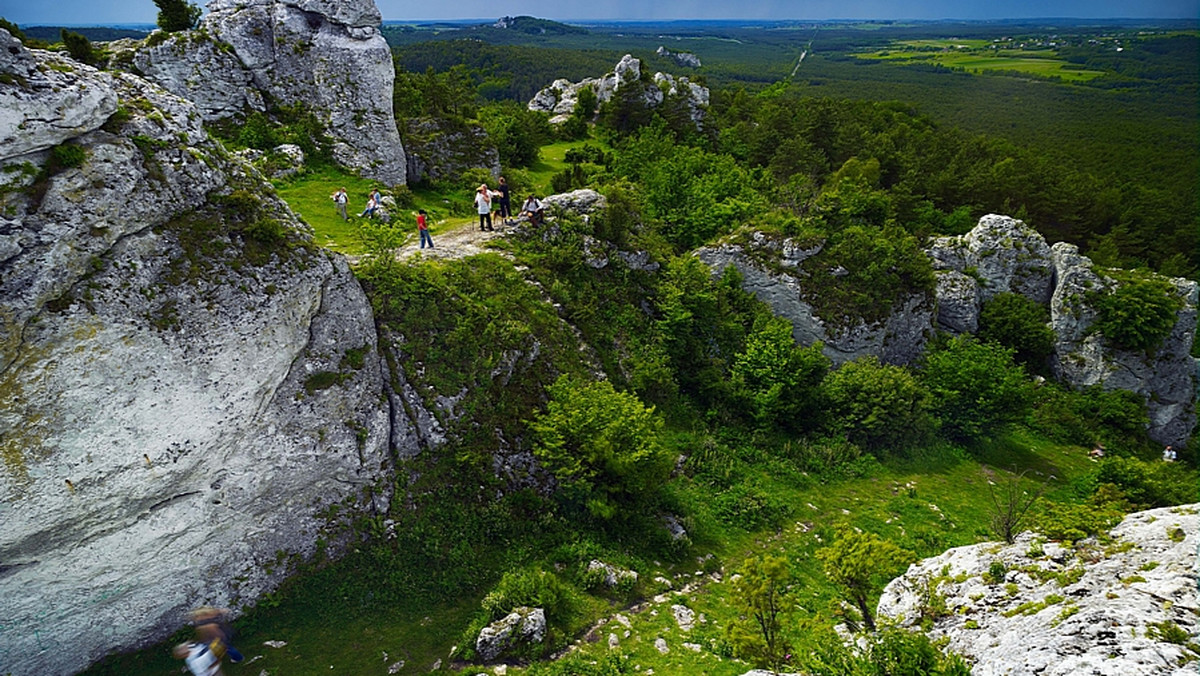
{"points": [[1002, 254], [560, 97], [898, 339], [1100, 619], [327, 55], [188, 385], [1166, 377]]}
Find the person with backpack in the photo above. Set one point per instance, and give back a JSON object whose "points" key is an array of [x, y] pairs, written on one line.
{"points": [[505, 205], [199, 659], [339, 200], [213, 631]]}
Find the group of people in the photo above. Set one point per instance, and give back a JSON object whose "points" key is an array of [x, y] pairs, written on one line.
{"points": [[340, 198], [212, 643], [487, 201]]}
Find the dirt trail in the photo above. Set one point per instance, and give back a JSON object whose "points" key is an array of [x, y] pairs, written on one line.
{"points": [[460, 242]]}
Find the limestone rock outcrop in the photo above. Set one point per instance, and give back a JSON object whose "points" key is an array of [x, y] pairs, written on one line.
{"points": [[560, 97], [521, 628], [1058, 610], [1002, 254], [326, 55], [685, 59], [898, 339], [189, 386]]}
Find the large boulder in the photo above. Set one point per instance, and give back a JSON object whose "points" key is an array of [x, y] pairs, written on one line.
{"points": [[48, 100], [189, 387], [325, 55], [1058, 610], [999, 255], [520, 629]]}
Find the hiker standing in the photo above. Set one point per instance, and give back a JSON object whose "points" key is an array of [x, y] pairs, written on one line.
{"points": [[505, 205], [339, 199], [483, 205], [423, 229]]}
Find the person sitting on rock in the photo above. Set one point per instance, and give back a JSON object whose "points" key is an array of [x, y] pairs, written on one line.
{"points": [[533, 210], [372, 205]]}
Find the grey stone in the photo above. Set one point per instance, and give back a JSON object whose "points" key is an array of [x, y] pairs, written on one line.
{"points": [[560, 97], [1101, 626], [160, 447], [612, 576], [522, 627], [49, 99], [327, 55]]}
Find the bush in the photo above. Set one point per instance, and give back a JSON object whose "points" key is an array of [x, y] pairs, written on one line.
{"points": [[1116, 418], [1071, 522], [1139, 314], [878, 406], [1148, 484], [777, 378], [975, 387], [79, 47], [602, 445], [1015, 322]]}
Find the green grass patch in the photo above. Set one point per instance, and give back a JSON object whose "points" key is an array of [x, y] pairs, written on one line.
{"points": [[1043, 64]]}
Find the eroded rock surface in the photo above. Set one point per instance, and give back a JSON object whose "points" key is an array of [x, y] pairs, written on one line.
{"points": [[1095, 609], [325, 55], [188, 385]]}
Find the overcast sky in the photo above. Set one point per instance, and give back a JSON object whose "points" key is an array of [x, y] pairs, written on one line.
{"points": [[83, 12]]}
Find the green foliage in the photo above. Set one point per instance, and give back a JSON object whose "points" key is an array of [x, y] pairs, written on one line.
{"points": [[763, 598], [975, 387], [1139, 314], [177, 15], [779, 380], [448, 95], [863, 272], [516, 131], [879, 406], [534, 588], [65, 156], [1019, 324], [1116, 418], [80, 48], [602, 445], [860, 563], [890, 652], [12, 28], [1147, 485], [1072, 522]]}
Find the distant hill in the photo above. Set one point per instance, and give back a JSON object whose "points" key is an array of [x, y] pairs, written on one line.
{"points": [[536, 26], [93, 33]]}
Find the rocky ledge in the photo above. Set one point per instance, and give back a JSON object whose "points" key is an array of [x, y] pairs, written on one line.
{"points": [[1125, 607]]}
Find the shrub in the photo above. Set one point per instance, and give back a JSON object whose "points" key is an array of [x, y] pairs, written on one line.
{"points": [[1094, 415], [65, 156], [79, 47], [602, 445], [1139, 314], [860, 563], [779, 379], [878, 405], [1072, 522], [1148, 484], [761, 597], [1015, 322], [975, 387]]}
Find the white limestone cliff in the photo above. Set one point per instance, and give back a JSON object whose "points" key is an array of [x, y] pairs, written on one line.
{"points": [[188, 385], [327, 55]]}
